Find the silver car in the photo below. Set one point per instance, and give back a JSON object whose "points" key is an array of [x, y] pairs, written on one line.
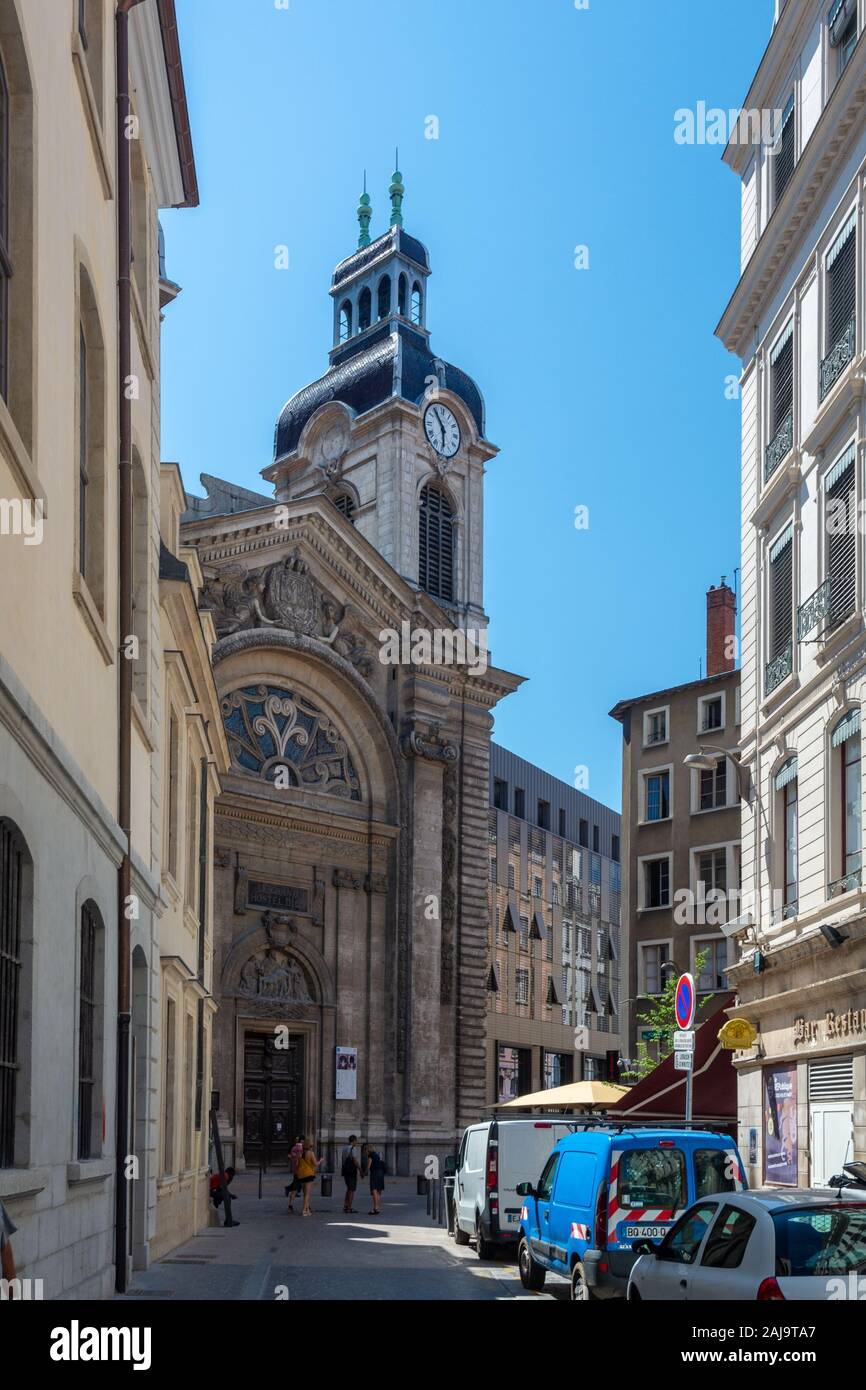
{"points": [[767, 1245]]}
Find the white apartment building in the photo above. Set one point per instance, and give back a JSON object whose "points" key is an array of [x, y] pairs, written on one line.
{"points": [[797, 320]]}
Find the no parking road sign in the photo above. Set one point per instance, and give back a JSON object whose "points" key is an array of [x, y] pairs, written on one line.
{"points": [[684, 1006]]}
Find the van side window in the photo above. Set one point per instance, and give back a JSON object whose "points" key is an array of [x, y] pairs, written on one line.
{"points": [[545, 1182], [727, 1241], [575, 1184], [714, 1172], [476, 1150], [652, 1178]]}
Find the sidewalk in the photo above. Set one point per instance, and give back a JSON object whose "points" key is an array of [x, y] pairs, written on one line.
{"points": [[328, 1256]]}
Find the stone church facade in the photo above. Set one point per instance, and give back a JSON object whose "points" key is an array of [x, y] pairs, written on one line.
{"points": [[350, 838]]}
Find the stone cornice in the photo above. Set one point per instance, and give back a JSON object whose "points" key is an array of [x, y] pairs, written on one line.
{"points": [[793, 217], [248, 822]]}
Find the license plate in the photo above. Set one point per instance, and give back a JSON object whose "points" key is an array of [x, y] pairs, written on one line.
{"points": [[646, 1232], [512, 1218]]}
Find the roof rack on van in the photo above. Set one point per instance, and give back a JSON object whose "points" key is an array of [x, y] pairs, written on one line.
{"points": [[603, 1120]]}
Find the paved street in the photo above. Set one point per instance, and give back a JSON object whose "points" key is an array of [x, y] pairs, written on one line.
{"points": [[331, 1256]]}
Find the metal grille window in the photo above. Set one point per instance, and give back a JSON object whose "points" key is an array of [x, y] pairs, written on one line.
{"points": [[87, 1005], [11, 876], [521, 984], [345, 504], [832, 1079], [436, 544], [5, 262], [784, 152], [841, 525]]}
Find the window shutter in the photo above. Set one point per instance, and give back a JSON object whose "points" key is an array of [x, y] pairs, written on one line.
{"points": [[782, 363], [841, 281], [839, 16], [781, 593], [842, 539], [784, 151], [436, 545]]}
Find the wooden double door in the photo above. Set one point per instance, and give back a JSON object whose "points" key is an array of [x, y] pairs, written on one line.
{"points": [[273, 1098]]}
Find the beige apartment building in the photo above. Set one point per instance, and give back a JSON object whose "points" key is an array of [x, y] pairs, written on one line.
{"points": [[100, 644], [555, 943], [681, 825], [797, 321]]}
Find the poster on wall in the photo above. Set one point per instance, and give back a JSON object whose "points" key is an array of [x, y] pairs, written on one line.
{"points": [[347, 1074], [780, 1125]]}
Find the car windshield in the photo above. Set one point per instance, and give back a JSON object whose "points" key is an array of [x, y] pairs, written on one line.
{"points": [[821, 1240], [652, 1178]]}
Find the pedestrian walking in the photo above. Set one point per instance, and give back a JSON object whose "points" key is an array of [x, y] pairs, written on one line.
{"points": [[7, 1259], [307, 1165], [350, 1167], [294, 1186], [377, 1179]]}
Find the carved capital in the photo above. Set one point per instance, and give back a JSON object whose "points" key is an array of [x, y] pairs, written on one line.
{"points": [[429, 744]]}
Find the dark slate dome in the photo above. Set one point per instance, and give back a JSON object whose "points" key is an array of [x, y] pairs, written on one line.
{"points": [[392, 361]]}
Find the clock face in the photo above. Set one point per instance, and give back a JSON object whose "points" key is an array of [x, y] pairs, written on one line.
{"points": [[442, 430]]}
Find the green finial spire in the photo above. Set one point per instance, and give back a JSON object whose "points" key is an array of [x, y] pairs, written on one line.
{"points": [[365, 212], [397, 191]]}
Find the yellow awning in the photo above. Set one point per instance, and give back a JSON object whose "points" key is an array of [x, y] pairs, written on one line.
{"points": [[586, 1093]]}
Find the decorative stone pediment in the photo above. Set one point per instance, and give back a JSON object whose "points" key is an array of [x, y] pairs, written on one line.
{"points": [[276, 975], [286, 595]]}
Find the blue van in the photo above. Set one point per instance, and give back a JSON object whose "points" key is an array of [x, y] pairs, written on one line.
{"points": [[603, 1189]]}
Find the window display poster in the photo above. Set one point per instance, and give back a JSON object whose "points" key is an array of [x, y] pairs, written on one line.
{"points": [[780, 1125], [347, 1074]]}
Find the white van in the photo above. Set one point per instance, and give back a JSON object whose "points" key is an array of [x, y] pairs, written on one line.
{"points": [[494, 1157]]}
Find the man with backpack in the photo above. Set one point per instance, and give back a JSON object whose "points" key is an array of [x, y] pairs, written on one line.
{"points": [[350, 1168]]}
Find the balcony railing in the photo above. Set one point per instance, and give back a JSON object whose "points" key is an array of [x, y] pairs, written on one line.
{"points": [[657, 736], [781, 444], [776, 670], [814, 610], [845, 884], [836, 361]]}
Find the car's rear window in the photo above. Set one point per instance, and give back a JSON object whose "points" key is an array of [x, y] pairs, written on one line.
{"points": [[714, 1172], [820, 1240], [652, 1178]]}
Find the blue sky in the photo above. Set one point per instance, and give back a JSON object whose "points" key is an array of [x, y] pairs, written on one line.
{"points": [[605, 387]]}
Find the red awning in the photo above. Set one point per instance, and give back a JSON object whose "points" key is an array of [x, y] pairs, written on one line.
{"points": [[661, 1096]]}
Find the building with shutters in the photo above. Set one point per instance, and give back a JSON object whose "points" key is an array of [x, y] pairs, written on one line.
{"points": [[555, 942], [350, 839], [797, 321], [681, 828]]}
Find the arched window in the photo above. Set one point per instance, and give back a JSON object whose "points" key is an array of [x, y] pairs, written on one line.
{"points": [[402, 287], [91, 401], [345, 503], [345, 321], [416, 303], [787, 811], [436, 544], [90, 974], [365, 309], [847, 795], [384, 297], [15, 945]]}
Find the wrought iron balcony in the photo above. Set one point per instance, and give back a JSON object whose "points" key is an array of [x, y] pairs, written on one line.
{"points": [[814, 610], [845, 884], [837, 360], [776, 670], [781, 444], [657, 736]]}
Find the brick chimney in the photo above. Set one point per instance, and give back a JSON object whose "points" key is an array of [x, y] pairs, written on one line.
{"points": [[721, 627]]}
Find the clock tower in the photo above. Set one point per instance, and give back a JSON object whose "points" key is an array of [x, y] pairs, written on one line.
{"points": [[393, 433], [351, 838]]}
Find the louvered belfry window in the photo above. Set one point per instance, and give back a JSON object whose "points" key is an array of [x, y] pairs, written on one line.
{"points": [[11, 873], [842, 537], [841, 284], [783, 163], [781, 594], [436, 544]]}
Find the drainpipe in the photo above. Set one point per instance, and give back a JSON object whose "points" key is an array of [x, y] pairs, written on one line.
{"points": [[125, 626]]}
